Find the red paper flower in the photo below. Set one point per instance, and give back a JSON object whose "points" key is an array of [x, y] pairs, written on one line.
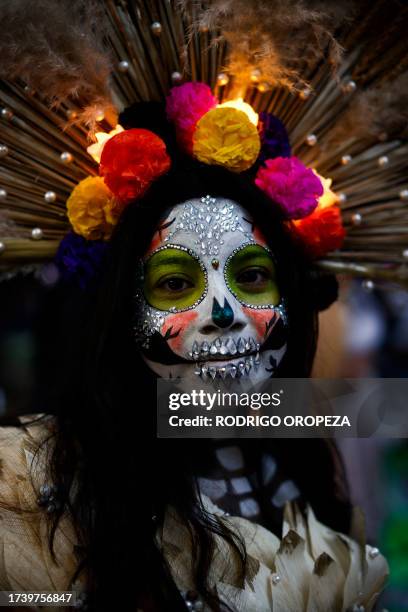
{"points": [[131, 161], [320, 232]]}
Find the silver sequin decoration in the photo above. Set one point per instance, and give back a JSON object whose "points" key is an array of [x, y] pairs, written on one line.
{"points": [[209, 220], [150, 319], [280, 308]]}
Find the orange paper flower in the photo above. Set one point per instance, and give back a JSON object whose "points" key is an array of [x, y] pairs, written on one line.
{"points": [[92, 209]]}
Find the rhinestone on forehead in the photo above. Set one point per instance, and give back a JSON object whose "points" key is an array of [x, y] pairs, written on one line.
{"points": [[209, 219]]}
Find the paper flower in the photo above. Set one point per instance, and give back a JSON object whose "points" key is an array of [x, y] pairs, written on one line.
{"points": [[131, 161], [95, 150], [329, 197], [246, 108], [322, 231], [291, 185], [79, 259], [226, 137], [92, 209], [274, 137], [185, 105]]}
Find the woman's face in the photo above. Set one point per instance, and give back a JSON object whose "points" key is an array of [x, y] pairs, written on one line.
{"points": [[208, 302]]}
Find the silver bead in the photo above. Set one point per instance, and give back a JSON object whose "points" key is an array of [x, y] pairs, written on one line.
{"points": [[342, 198], [311, 139], [262, 87], [403, 194], [176, 77], [156, 28], [36, 233], [50, 196], [99, 115], [383, 161], [123, 66], [275, 578], [374, 552], [3, 194], [405, 253], [71, 114], [367, 285], [66, 157], [346, 159], [356, 219], [2, 247], [255, 75], [4, 150], [222, 79], [305, 93], [6, 113], [350, 86]]}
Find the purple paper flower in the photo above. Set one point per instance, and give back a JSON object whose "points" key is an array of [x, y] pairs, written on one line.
{"points": [[291, 185], [274, 138], [79, 260]]}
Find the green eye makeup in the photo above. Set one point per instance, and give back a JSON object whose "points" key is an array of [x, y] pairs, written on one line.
{"points": [[250, 275], [174, 279]]}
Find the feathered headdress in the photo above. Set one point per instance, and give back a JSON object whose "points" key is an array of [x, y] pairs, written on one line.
{"points": [[309, 98]]}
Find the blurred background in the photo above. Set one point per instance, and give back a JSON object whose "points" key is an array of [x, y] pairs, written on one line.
{"points": [[364, 334]]}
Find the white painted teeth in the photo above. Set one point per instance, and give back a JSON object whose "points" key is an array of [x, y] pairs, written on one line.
{"points": [[233, 348], [195, 353], [243, 368], [232, 370], [241, 346], [225, 347]]}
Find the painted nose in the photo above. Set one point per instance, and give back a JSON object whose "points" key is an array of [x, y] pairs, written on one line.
{"points": [[222, 316]]}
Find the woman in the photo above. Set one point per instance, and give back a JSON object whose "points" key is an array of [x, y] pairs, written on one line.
{"points": [[142, 523]]}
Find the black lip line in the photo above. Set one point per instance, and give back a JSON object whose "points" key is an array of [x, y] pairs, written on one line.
{"points": [[226, 357]]}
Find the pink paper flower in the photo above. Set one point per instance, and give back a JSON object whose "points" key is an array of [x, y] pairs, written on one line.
{"points": [[291, 185], [185, 105]]}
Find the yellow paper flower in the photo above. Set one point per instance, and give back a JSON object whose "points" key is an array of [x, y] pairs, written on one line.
{"points": [[92, 209], [226, 137]]}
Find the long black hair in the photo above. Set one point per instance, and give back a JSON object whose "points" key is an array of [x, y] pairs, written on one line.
{"points": [[114, 476]]}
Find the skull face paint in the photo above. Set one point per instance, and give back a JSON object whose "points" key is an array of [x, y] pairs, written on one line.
{"points": [[208, 304]]}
